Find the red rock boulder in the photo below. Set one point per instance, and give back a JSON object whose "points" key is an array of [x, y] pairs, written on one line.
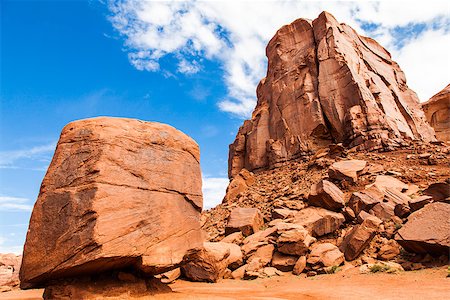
{"points": [[427, 230], [118, 193]]}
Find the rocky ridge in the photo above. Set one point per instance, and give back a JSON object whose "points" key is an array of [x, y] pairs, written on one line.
{"points": [[437, 112]]}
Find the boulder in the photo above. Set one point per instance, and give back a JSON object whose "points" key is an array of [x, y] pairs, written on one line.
{"points": [[235, 238], [232, 252], [246, 220], [419, 202], [357, 239], [382, 182], [283, 262], [437, 112], [365, 200], [170, 276], [118, 193], [263, 255], [282, 213], [383, 210], [347, 170], [325, 255], [389, 250], [200, 264], [237, 185], [427, 230], [294, 240], [439, 191], [326, 84], [319, 221], [327, 195], [258, 239]]}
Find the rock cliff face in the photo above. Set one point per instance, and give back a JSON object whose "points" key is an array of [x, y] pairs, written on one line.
{"points": [[118, 193], [326, 84], [437, 111]]}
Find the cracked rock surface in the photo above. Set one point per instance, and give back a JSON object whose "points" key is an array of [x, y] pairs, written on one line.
{"points": [[118, 193], [326, 84]]}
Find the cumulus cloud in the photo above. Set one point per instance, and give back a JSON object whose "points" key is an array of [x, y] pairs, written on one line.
{"points": [[8, 203], [213, 191], [235, 33]]}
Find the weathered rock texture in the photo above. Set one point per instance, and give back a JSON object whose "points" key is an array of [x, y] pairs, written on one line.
{"points": [[325, 83], [427, 230], [9, 269], [118, 193], [437, 111]]}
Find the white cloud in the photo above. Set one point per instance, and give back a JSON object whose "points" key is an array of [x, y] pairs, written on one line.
{"points": [[8, 203], [213, 191], [38, 153], [235, 33], [424, 58]]}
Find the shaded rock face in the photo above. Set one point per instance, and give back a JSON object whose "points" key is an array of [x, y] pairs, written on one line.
{"points": [[324, 84], [118, 193], [437, 112]]}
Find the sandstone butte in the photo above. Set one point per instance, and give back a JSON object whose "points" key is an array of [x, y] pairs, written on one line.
{"points": [[118, 193], [326, 84], [437, 111]]}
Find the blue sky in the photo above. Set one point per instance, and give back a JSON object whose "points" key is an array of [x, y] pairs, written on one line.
{"points": [[193, 65]]}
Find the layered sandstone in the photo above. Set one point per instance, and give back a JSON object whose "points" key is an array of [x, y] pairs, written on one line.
{"points": [[118, 193], [326, 84], [437, 111]]}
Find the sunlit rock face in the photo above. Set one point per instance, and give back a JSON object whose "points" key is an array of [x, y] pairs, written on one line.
{"points": [[326, 84], [118, 193]]}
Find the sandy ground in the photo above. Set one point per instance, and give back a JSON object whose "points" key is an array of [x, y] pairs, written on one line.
{"points": [[423, 284]]}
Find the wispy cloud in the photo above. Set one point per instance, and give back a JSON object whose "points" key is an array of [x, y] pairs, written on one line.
{"points": [[41, 154], [213, 190], [9, 249], [8, 203], [235, 34]]}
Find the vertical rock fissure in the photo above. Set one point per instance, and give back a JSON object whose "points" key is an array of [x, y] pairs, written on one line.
{"points": [[328, 125]]}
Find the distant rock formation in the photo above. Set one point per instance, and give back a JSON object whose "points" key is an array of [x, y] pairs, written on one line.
{"points": [[326, 84], [9, 271], [437, 111], [118, 193]]}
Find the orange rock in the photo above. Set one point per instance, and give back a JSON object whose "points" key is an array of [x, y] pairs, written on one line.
{"points": [[299, 266], [319, 221], [437, 111], [326, 255], [282, 262], [427, 230], [238, 185], [246, 220], [327, 195], [118, 192], [326, 84], [347, 170], [359, 237]]}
